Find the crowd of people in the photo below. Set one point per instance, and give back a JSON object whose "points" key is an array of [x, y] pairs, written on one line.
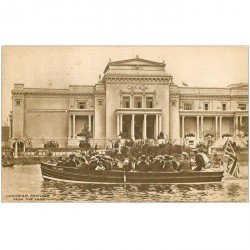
{"points": [[195, 161]]}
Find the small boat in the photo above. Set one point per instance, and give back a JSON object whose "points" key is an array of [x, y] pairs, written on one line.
{"points": [[78, 175]]}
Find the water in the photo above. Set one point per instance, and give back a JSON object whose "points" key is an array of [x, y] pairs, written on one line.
{"points": [[25, 184]]}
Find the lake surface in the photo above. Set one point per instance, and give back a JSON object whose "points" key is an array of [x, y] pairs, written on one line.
{"points": [[25, 184]]}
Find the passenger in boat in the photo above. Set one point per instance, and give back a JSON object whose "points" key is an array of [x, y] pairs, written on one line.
{"points": [[100, 166], [126, 166], [115, 163], [200, 163], [167, 164], [93, 163], [72, 161], [142, 164], [107, 162], [156, 166], [174, 163], [60, 162], [83, 164], [217, 162], [185, 164]]}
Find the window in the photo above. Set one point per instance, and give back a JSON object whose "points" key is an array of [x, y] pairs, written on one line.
{"points": [[173, 103], [224, 106], [126, 102], [18, 102], [149, 102], [138, 102], [187, 106], [242, 106], [100, 102], [81, 105], [206, 106]]}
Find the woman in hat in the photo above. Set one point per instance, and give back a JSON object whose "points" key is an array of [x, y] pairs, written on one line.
{"points": [[185, 164]]}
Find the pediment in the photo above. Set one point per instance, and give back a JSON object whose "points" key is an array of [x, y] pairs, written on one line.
{"points": [[135, 62]]}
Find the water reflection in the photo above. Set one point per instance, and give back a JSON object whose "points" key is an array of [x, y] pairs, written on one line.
{"points": [[27, 180]]}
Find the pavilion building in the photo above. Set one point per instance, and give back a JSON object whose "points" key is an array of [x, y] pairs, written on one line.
{"points": [[136, 98]]}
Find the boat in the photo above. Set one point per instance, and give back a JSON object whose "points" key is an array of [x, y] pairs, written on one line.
{"points": [[77, 175]]}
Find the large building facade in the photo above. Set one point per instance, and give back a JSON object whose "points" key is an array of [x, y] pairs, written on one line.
{"points": [[136, 98]]}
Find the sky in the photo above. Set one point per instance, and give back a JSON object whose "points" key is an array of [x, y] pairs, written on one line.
{"points": [[61, 66]]}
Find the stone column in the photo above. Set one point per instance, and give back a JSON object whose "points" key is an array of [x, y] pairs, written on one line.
{"points": [[183, 127], [156, 126], [10, 130], [197, 127], [202, 127], [70, 129], [24, 148], [216, 126], [160, 123], [220, 126], [236, 126], [16, 150], [133, 127], [240, 120], [145, 127], [93, 131], [118, 124], [121, 128], [74, 126], [90, 123]]}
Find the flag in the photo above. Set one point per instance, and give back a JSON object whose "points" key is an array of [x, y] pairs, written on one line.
{"points": [[233, 167], [184, 84]]}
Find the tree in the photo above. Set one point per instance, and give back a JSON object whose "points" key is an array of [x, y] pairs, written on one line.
{"points": [[85, 133], [244, 127]]}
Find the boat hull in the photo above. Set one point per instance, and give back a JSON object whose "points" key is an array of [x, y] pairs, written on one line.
{"points": [[51, 172]]}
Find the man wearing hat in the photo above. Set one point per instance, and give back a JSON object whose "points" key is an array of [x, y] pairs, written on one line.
{"points": [[142, 165], [72, 161], [93, 163], [167, 164], [156, 166], [200, 163], [83, 164], [185, 164], [174, 163]]}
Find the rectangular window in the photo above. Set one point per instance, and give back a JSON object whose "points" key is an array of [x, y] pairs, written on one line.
{"points": [[100, 102], [206, 106], [242, 106], [81, 105], [187, 106], [149, 102], [173, 103], [224, 106], [126, 102], [138, 102], [18, 102]]}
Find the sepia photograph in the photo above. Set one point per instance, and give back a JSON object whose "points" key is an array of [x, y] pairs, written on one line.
{"points": [[124, 124]]}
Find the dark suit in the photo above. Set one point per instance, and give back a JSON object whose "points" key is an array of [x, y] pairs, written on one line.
{"points": [[156, 166], [142, 166], [71, 164], [185, 165], [168, 167], [199, 162]]}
